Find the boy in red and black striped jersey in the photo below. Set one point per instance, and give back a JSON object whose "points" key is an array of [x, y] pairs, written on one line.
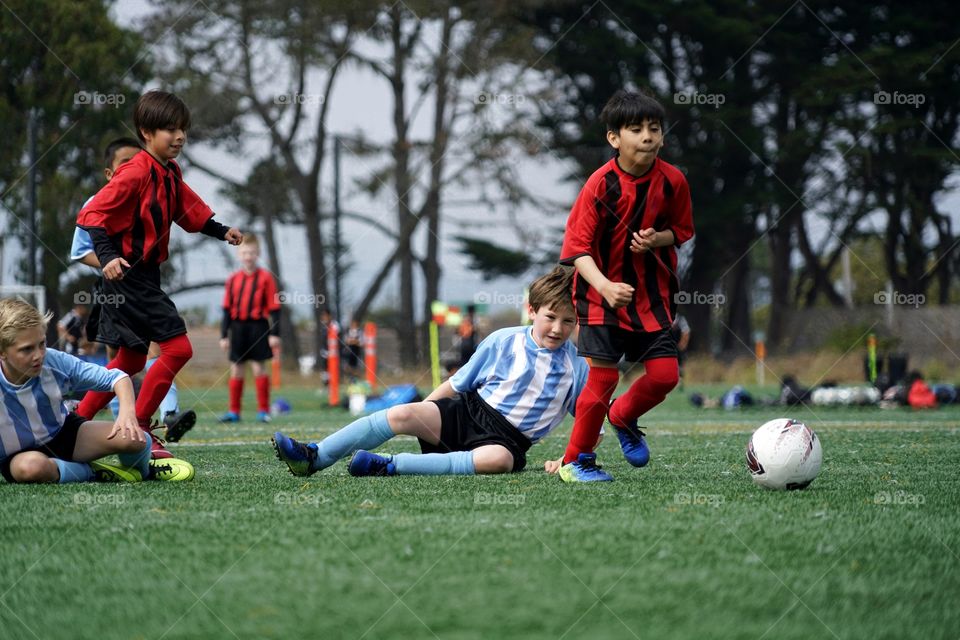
{"points": [[129, 224], [251, 317], [621, 237]]}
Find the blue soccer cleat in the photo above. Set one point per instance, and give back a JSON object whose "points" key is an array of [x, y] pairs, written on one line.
{"points": [[299, 457], [363, 463], [585, 469], [263, 416], [230, 416], [632, 442]]}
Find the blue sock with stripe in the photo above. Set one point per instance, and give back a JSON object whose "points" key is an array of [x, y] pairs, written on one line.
{"points": [[457, 463], [368, 432], [140, 460], [73, 471]]}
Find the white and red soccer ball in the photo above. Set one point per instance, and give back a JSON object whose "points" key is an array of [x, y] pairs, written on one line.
{"points": [[784, 454]]}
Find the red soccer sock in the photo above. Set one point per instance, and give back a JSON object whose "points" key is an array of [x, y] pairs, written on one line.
{"points": [[174, 353], [263, 393], [127, 360], [648, 391], [591, 410], [236, 395]]}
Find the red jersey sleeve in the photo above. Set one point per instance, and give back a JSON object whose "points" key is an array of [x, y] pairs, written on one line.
{"points": [[681, 212], [580, 236], [272, 303], [193, 212], [115, 206]]}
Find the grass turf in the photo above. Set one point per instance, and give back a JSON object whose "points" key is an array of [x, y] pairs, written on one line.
{"points": [[687, 547]]}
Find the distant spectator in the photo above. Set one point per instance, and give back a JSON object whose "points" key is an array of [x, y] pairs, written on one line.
{"points": [[71, 329]]}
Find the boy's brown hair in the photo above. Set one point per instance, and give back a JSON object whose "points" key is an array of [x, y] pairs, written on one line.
{"points": [[17, 315], [251, 239], [553, 290], [158, 110]]}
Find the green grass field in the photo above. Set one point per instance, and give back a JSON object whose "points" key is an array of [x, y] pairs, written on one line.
{"points": [[685, 548]]}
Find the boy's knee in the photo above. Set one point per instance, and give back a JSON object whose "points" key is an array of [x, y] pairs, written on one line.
{"points": [[33, 468], [496, 460], [178, 347], [129, 445], [665, 382], [400, 416]]}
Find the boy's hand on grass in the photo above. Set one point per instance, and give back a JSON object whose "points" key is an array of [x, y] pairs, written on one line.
{"points": [[617, 294], [552, 466], [114, 269], [127, 427], [234, 236]]}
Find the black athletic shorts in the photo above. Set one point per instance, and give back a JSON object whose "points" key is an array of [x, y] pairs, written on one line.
{"points": [[61, 446], [249, 340], [467, 422], [612, 343], [134, 311]]}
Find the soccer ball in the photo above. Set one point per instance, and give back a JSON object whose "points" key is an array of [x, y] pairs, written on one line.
{"points": [[784, 454]]}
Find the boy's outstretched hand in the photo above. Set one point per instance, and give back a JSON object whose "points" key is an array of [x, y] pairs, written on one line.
{"points": [[234, 236], [617, 294], [127, 427]]}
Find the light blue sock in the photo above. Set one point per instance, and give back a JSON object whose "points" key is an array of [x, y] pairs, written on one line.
{"points": [[457, 463], [139, 461], [368, 432], [73, 471], [115, 407]]}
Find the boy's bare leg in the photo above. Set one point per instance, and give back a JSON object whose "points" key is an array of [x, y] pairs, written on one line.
{"points": [[492, 458], [93, 442], [420, 419], [33, 466]]}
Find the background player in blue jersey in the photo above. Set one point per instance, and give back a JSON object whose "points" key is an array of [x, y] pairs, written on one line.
{"points": [[39, 440], [518, 386]]}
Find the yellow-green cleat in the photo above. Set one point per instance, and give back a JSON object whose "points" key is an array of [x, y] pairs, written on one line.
{"points": [[171, 470], [103, 472]]}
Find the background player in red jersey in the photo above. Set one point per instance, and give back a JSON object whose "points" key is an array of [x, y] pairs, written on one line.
{"points": [[129, 224], [251, 318], [621, 237]]}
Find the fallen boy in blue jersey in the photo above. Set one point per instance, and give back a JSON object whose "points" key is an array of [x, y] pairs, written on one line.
{"points": [[518, 386]]}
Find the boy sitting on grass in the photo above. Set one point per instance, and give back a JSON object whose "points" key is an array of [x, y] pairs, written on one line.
{"points": [[516, 388], [39, 440]]}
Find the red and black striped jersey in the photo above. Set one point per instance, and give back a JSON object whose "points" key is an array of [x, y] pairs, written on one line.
{"points": [[139, 204], [250, 296], [612, 206]]}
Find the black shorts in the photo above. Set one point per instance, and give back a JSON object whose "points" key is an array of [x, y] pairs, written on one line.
{"points": [[61, 446], [612, 343], [467, 422], [134, 311], [249, 340]]}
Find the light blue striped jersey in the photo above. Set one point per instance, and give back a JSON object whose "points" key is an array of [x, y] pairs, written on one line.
{"points": [[33, 413], [82, 243], [532, 387]]}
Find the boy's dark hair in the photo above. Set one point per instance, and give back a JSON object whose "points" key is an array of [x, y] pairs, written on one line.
{"points": [[625, 108], [114, 146], [159, 110], [554, 290]]}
